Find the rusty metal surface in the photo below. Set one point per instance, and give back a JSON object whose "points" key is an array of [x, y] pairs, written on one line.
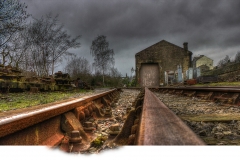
{"points": [[13, 121], [228, 95], [160, 126], [44, 133], [217, 90]]}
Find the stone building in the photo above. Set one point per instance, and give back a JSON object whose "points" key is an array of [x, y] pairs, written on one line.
{"points": [[204, 67], [154, 61], [202, 61]]}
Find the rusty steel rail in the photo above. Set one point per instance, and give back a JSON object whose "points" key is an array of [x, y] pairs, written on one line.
{"points": [[228, 95], [160, 126], [12, 122], [215, 89]]}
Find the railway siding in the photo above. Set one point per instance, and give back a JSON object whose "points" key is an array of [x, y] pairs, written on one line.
{"points": [[216, 123]]}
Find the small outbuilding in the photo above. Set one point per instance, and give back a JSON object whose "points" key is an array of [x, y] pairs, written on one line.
{"points": [[202, 60]]}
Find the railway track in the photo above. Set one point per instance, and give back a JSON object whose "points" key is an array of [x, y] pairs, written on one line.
{"points": [[43, 125], [229, 95], [214, 118], [101, 121]]}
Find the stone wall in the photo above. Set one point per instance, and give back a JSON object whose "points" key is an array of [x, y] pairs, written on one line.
{"points": [[226, 72], [167, 55]]}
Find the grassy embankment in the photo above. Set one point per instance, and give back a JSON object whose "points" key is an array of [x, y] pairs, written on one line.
{"points": [[13, 101], [237, 84]]}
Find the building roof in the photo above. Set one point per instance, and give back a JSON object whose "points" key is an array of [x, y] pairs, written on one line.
{"points": [[162, 41], [199, 57]]}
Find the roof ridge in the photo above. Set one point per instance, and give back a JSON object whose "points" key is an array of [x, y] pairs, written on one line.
{"points": [[200, 56], [160, 42]]}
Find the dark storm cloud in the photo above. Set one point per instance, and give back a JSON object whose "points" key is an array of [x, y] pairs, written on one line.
{"points": [[211, 27]]}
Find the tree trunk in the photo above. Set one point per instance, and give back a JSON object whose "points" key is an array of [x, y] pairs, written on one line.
{"points": [[52, 67], [103, 79]]}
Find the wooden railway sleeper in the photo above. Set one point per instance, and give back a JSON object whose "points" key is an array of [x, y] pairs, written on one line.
{"points": [[191, 94], [171, 92], [208, 96], [165, 91], [179, 93], [229, 100]]}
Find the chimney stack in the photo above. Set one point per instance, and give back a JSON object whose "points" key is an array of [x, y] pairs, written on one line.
{"points": [[185, 46]]}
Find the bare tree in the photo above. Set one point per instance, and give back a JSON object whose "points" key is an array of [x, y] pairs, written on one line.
{"points": [[224, 61], [12, 18], [78, 68], [103, 56], [114, 73], [115, 77], [237, 58], [5, 54], [220, 63], [18, 49], [49, 44]]}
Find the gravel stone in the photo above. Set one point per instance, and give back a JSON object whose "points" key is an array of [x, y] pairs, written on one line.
{"points": [[220, 133]]}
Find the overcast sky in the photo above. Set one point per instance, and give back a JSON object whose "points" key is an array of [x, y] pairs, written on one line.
{"points": [[211, 27]]}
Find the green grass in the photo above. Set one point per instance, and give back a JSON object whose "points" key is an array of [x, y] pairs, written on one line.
{"points": [[13, 101], [220, 84], [211, 117]]}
